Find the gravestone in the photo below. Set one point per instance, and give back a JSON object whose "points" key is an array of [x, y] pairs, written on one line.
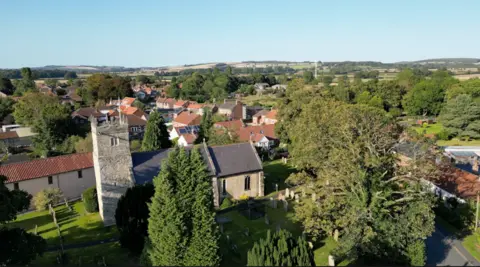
{"points": [[287, 192], [331, 260], [292, 194], [246, 232], [276, 187], [221, 228], [285, 205], [228, 238], [310, 244], [297, 198], [267, 221], [335, 235], [274, 203], [36, 229]]}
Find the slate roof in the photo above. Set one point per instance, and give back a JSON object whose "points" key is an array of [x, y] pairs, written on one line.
{"points": [[46, 167], [228, 105], [227, 160]]}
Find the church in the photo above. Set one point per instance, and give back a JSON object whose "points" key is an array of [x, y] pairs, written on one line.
{"points": [[235, 169]]}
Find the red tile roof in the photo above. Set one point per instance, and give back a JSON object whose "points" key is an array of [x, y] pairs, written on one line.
{"points": [[181, 103], [188, 118], [128, 101], [235, 124], [256, 132], [195, 106], [272, 114], [189, 138], [22, 171], [8, 135]]}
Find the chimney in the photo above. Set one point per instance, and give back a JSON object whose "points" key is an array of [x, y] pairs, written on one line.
{"points": [[475, 164], [224, 101]]}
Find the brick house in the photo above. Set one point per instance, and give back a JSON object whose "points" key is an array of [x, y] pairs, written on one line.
{"points": [[233, 110], [186, 118]]}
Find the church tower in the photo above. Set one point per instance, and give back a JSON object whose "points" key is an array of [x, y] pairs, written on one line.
{"points": [[113, 164]]}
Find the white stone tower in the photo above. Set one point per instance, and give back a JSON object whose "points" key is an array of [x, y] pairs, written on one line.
{"points": [[113, 164]]}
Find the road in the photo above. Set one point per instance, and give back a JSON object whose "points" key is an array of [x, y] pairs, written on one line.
{"points": [[444, 249]]}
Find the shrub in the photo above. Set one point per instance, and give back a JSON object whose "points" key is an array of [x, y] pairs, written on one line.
{"points": [[90, 200], [226, 203], [416, 253], [460, 215], [135, 145], [47, 196], [443, 135]]}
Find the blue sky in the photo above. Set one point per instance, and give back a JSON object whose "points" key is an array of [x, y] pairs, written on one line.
{"points": [[172, 32]]}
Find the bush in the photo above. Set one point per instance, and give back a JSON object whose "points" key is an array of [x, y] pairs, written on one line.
{"points": [[460, 215], [135, 145], [443, 135], [90, 200], [226, 203], [416, 253], [47, 196]]}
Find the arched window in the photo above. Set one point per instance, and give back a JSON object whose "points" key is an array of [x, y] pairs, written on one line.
{"points": [[247, 183], [224, 186]]}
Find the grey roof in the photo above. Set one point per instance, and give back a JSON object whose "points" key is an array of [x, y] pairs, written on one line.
{"points": [[227, 160], [407, 149], [228, 105], [462, 153], [235, 159]]}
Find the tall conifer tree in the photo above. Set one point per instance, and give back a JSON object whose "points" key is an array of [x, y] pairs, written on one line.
{"points": [[156, 135]]}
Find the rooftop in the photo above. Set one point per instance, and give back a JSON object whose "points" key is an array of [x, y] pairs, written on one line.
{"points": [[16, 172], [188, 118]]}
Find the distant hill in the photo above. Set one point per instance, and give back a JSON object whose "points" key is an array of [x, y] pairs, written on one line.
{"points": [[444, 62]]}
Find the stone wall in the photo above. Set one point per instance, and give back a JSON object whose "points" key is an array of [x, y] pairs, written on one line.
{"points": [[235, 185], [113, 165]]}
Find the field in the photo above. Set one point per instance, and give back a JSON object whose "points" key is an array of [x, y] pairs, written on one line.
{"points": [[76, 226], [264, 100]]}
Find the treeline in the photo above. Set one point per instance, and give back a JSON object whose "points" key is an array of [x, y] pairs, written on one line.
{"points": [[37, 74], [216, 84]]}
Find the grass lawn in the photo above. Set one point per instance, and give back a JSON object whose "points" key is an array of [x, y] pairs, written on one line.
{"points": [[89, 256], [276, 173], [76, 226], [258, 229], [264, 100], [458, 142], [434, 128]]}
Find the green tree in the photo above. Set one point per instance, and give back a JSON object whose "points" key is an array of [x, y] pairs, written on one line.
{"points": [[181, 214], [222, 136], [156, 135], [26, 84], [425, 98], [131, 217], [70, 75], [205, 126], [6, 107], [90, 199], [280, 249], [308, 76], [376, 101], [105, 87], [461, 117], [6, 86], [364, 97], [22, 247], [142, 79], [52, 83], [28, 109], [203, 245], [378, 207], [139, 104], [48, 196]]}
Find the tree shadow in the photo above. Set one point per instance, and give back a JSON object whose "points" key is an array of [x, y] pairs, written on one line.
{"points": [[276, 173]]}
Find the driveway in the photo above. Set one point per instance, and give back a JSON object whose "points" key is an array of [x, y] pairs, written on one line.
{"points": [[444, 249]]}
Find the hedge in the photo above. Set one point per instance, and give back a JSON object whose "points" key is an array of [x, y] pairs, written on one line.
{"points": [[90, 200]]}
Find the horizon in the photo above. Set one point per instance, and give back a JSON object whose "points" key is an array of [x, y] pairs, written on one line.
{"points": [[157, 34]]}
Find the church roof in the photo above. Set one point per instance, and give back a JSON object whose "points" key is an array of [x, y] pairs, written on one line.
{"points": [[227, 160]]}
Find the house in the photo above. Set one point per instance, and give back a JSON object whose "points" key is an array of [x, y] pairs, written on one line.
{"points": [[82, 115], [235, 170], [165, 103], [181, 104], [72, 174], [261, 135], [251, 111], [176, 132], [265, 117], [270, 117], [136, 126], [234, 124], [260, 87], [233, 110], [195, 108], [127, 101], [259, 117], [187, 139], [186, 118], [134, 111]]}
